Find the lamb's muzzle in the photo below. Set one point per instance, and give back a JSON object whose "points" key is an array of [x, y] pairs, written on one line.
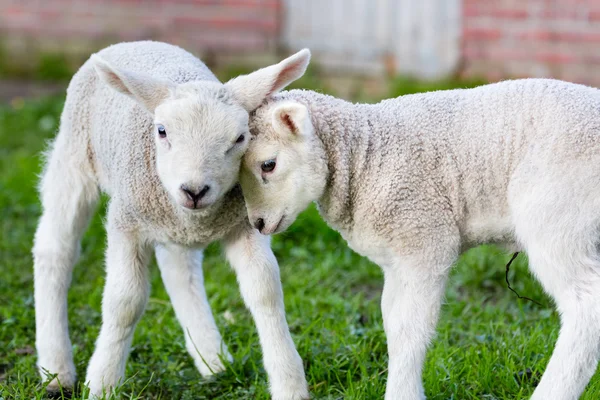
{"points": [[194, 196]]}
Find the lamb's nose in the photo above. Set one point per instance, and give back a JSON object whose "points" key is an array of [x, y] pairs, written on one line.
{"points": [[260, 224], [197, 194]]}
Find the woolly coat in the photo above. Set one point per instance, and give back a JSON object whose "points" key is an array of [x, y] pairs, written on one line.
{"points": [[118, 135], [452, 169]]}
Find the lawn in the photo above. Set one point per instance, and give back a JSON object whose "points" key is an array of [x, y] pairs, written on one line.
{"points": [[490, 345]]}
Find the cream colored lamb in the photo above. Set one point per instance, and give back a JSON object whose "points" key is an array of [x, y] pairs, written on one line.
{"points": [[151, 126], [414, 181]]}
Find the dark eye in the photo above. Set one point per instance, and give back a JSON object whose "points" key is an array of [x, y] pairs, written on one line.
{"points": [[268, 166], [162, 133], [240, 139]]}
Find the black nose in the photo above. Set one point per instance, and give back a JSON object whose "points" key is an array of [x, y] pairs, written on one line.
{"points": [[260, 224], [197, 194]]}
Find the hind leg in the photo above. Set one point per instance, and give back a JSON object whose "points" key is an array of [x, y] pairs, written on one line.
{"points": [[574, 283], [69, 195], [556, 222], [181, 270]]}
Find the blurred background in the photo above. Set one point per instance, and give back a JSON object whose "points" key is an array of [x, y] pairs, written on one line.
{"points": [[373, 40], [490, 345]]}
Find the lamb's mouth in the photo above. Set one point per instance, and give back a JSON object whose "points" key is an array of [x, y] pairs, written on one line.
{"points": [[276, 230], [194, 207]]}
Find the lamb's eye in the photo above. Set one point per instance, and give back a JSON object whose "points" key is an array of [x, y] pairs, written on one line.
{"points": [[162, 133], [240, 139], [268, 166]]}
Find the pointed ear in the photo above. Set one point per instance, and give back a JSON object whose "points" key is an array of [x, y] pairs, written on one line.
{"points": [[293, 119], [146, 90], [250, 90]]}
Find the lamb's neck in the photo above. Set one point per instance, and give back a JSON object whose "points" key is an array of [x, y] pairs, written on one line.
{"points": [[344, 132]]}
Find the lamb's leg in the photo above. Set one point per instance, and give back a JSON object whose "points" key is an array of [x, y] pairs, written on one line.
{"points": [[181, 270], [412, 295], [69, 196], [258, 276], [574, 282], [125, 296], [555, 218]]}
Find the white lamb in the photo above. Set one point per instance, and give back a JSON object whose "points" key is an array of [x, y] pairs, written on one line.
{"points": [[414, 181], [167, 150]]}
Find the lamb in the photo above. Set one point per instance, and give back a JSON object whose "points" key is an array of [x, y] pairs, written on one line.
{"points": [[412, 182], [151, 126]]}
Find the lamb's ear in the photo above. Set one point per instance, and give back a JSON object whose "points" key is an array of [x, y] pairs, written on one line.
{"points": [[250, 90], [148, 91], [292, 119]]}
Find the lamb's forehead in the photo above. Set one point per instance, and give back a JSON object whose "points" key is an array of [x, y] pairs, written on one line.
{"points": [[205, 91], [209, 104]]}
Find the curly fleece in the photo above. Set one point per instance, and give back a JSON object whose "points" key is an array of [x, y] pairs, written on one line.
{"points": [[121, 147]]}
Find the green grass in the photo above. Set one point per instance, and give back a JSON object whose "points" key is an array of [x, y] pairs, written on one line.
{"points": [[487, 339]]}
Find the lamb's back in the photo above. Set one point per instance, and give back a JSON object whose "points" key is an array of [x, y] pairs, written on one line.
{"points": [[448, 157], [157, 59]]}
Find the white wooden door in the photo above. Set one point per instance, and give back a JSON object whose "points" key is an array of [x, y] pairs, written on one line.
{"points": [[418, 37]]}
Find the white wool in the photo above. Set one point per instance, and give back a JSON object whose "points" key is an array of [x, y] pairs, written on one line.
{"points": [[173, 194], [412, 182]]}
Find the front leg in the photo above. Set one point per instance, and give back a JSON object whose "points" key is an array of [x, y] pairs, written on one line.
{"points": [[412, 295], [258, 276], [125, 296], [181, 270]]}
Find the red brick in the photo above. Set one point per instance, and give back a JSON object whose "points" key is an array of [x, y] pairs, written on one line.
{"points": [[555, 58], [536, 35], [548, 35], [223, 25], [251, 3], [48, 14], [509, 13], [591, 59], [574, 14], [509, 54], [589, 37], [594, 15], [270, 26], [479, 2], [472, 11], [153, 20], [195, 2], [230, 23], [482, 33], [12, 11], [479, 10]]}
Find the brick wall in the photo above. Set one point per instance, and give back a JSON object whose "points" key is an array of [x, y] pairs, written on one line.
{"points": [[540, 38], [82, 26], [500, 38]]}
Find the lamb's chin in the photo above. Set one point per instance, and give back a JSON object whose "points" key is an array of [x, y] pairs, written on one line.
{"points": [[283, 224]]}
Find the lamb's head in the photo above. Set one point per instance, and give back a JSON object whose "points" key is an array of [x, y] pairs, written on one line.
{"points": [[201, 128], [285, 167]]}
